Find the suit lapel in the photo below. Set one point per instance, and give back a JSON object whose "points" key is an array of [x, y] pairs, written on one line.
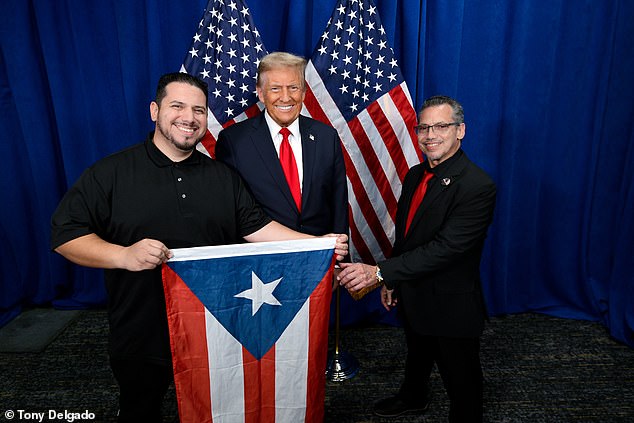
{"points": [[263, 144], [309, 145]]}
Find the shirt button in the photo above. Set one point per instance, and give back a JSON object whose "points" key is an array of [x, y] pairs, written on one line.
{"points": [[179, 179], [184, 195]]}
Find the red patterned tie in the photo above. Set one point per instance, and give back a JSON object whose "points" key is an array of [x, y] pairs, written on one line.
{"points": [[290, 167], [417, 198]]}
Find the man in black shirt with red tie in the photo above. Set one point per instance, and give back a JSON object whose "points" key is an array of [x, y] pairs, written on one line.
{"points": [[444, 211]]}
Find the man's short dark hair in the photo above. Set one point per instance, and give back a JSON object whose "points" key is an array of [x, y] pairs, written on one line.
{"points": [[168, 78]]}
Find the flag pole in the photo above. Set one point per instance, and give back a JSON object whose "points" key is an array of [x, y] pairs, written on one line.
{"points": [[340, 365]]}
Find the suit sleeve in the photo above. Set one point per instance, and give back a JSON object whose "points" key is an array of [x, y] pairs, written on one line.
{"points": [[463, 230], [224, 150], [339, 190]]}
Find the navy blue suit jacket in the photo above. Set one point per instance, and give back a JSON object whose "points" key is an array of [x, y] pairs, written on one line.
{"points": [[248, 148]]}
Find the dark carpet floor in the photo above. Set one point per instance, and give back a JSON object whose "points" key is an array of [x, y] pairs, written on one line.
{"points": [[537, 369]]}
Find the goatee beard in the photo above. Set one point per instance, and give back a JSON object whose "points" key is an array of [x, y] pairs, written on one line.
{"points": [[184, 147]]}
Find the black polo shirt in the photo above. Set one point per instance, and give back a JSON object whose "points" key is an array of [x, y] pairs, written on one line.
{"points": [[140, 193]]}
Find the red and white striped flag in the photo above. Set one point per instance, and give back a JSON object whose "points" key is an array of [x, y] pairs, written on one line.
{"points": [[225, 53], [249, 330], [355, 85]]}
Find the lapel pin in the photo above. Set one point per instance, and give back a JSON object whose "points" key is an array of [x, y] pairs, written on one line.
{"points": [[445, 182], [312, 137]]}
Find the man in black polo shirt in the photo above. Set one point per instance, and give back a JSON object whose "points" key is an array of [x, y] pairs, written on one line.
{"points": [[127, 211]]}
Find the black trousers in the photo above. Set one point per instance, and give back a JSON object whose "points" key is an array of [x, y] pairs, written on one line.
{"points": [[142, 387], [458, 361]]}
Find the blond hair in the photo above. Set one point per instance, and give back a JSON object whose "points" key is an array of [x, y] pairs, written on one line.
{"points": [[280, 59]]}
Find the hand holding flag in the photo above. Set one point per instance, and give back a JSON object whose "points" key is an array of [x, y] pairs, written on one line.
{"points": [[341, 245]]}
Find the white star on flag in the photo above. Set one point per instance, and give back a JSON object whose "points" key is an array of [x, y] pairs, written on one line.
{"points": [[260, 293]]}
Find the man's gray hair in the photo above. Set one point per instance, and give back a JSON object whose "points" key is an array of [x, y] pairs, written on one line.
{"points": [[439, 100]]}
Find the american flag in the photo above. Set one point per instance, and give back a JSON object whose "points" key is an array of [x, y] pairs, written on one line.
{"points": [[249, 330], [355, 85], [225, 53]]}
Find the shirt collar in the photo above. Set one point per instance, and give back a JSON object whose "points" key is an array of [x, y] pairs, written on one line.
{"points": [[161, 160], [274, 127], [442, 167]]}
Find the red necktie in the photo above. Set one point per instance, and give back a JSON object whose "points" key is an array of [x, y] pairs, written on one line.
{"points": [[417, 198], [290, 167]]}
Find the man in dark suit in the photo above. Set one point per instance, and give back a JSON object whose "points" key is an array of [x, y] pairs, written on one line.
{"points": [[434, 270], [319, 204]]}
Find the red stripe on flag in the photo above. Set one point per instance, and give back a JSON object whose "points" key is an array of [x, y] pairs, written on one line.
{"points": [[209, 142], [390, 140], [254, 110], [366, 205], [267, 385], [372, 160], [186, 315], [317, 348], [409, 116], [314, 108], [228, 123], [259, 387]]}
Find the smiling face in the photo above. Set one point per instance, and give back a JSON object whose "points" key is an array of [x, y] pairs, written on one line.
{"points": [[282, 91], [181, 120], [435, 144]]}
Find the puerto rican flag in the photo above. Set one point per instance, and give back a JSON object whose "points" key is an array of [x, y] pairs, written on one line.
{"points": [[249, 330]]}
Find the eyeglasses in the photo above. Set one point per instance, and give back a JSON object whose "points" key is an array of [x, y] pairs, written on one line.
{"points": [[439, 128]]}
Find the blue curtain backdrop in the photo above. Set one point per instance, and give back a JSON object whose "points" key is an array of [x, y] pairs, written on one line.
{"points": [[547, 88]]}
